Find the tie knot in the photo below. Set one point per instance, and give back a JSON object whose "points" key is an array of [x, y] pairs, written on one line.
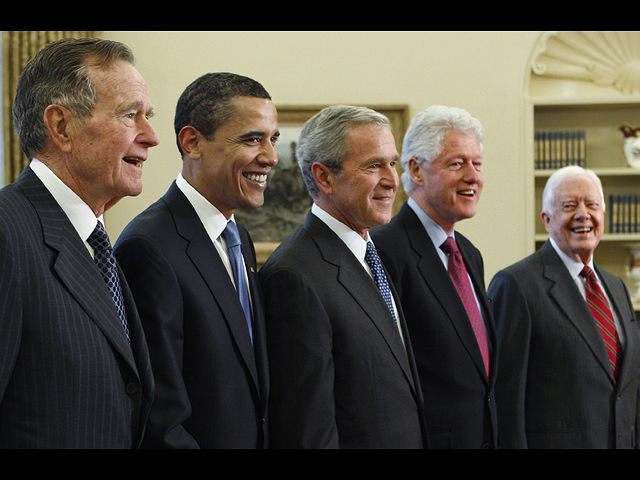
{"points": [[99, 240], [587, 272], [231, 235], [371, 255], [449, 246]]}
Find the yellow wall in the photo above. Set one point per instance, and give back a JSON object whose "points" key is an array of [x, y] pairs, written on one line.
{"points": [[483, 72]]}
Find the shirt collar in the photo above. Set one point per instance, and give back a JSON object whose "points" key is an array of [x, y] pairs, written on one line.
{"points": [[435, 231], [79, 213], [213, 220], [352, 239], [574, 266]]}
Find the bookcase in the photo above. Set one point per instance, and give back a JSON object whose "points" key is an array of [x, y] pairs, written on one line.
{"points": [[598, 125]]}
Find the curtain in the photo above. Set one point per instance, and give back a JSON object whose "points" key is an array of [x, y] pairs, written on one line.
{"points": [[18, 47]]}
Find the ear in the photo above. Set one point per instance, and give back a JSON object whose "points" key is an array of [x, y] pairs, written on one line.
{"points": [[324, 177], [189, 138], [415, 171], [546, 219], [57, 122]]}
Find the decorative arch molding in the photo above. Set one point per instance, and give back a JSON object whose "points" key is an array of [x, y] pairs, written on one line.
{"points": [[610, 59]]}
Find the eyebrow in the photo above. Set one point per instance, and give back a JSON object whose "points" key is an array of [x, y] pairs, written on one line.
{"points": [[137, 105], [256, 133]]}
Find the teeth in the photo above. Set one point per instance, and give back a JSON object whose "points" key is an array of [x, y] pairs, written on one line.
{"points": [[466, 192], [255, 178], [582, 229]]}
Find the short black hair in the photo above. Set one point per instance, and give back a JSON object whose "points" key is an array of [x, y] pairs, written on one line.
{"points": [[206, 102]]}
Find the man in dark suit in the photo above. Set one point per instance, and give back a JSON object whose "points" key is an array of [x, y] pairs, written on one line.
{"points": [[442, 158], [75, 370], [563, 383], [207, 348], [342, 371]]}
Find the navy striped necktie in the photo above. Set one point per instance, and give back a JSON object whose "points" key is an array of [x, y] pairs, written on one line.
{"points": [[103, 256]]}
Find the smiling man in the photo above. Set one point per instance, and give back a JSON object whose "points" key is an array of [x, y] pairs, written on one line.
{"points": [[569, 349], [454, 342], [341, 366], [193, 271], [75, 370]]}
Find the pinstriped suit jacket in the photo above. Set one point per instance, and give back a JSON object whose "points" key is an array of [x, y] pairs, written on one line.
{"points": [[68, 376], [555, 388]]}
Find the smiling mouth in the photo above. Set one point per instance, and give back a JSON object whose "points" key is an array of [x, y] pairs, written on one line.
{"points": [[467, 193], [582, 229], [254, 177], [137, 162]]}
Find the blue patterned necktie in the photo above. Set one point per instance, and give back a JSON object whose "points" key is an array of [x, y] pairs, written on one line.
{"points": [[373, 260], [232, 238], [103, 256]]}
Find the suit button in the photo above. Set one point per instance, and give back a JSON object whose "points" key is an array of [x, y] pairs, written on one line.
{"points": [[131, 388]]}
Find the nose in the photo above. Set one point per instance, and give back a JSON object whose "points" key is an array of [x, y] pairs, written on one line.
{"points": [[268, 154], [582, 211], [147, 135], [389, 177]]}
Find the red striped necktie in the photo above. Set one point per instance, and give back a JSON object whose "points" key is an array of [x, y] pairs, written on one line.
{"points": [[460, 278], [604, 319]]}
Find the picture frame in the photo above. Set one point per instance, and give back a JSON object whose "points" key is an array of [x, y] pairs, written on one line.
{"points": [[287, 200]]}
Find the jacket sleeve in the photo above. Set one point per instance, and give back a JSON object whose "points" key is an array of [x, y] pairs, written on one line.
{"points": [[513, 325], [299, 344], [158, 297]]}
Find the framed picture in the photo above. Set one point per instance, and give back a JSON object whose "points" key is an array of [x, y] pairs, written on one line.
{"points": [[286, 199]]}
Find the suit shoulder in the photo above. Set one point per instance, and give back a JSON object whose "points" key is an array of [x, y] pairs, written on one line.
{"points": [[294, 253], [151, 222]]}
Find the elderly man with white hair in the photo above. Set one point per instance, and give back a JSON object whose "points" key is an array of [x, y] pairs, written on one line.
{"points": [[568, 339]]}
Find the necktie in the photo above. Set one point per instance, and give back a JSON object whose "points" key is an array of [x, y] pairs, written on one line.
{"points": [[460, 278], [232, 237], [604, 319], [373, 260], [103, 256]]}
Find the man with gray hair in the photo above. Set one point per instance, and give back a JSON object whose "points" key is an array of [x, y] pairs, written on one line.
{"points": [[442, 290], [75, 370], [569, 347], [341, 365]]}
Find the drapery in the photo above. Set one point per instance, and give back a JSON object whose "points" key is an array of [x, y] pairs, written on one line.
{"points": [[18, 47]]}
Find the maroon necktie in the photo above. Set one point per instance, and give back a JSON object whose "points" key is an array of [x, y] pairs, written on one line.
{"points": [[604, 319], [460, 278]]}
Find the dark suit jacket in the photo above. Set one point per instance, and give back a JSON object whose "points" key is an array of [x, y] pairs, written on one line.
{"points": [[460, 410], [340, 374], [212, 385], [555, 388], [68, 376]]}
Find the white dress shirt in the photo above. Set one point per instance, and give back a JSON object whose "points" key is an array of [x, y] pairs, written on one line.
{"points": [[354, 242], [212, 219], [80, 214], [575, 267]]}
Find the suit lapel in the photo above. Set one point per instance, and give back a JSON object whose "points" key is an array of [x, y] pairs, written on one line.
{"points": [[206, 260], [74, 265], [353, 277], [567, 296], [437, 279]]}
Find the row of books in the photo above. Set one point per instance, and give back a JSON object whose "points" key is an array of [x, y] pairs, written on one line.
{"points": [[559, 148], [624, 213]]}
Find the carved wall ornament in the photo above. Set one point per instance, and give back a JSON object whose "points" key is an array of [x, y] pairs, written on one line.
{"points": [[604, 58]]}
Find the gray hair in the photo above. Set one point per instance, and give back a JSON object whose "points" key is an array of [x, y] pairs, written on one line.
{"points": [[559, 176], [324, 138], [423, 140], [58, 75]]}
